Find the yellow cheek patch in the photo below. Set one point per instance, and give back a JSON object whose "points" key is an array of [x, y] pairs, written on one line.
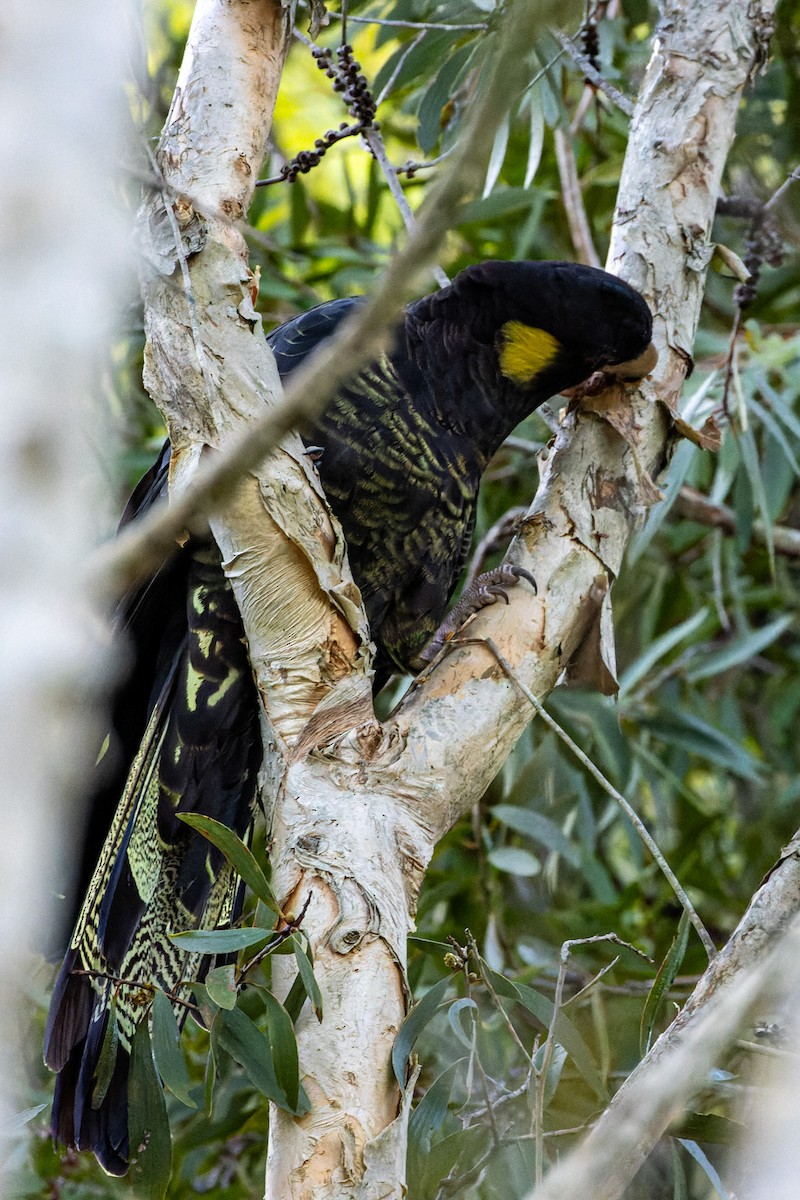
{"points": [[525, 351]]}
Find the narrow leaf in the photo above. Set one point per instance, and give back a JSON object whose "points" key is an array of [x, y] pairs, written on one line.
{"points": [[284, 1049], [465, 1034], [19, 1120], [108, 1058], [514, 861], [148, 1126], [412, 1027], [221, 985], [741, 650], [538, 827], [702, 1159], [238, 855], [535, 135], [428, 1117], [167, 1050], [659, 649], [663, 981], [245, 1042], [566, 1035], [497, 156], [219, 941], [306, 969]]}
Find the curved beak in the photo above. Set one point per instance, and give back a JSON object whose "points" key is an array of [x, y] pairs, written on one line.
{"points": [[635, 368]]}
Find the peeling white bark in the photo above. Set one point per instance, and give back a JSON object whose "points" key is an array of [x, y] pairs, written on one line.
{"points": [[61, 250]]}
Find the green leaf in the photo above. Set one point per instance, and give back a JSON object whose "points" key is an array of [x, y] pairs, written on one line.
{"points": [[709, 1127], [502, 203], [659, 649], [693, 735], [747, 448], [238, 855], [148, 1126], [459, 1153], [108, 1058], [19, 1120], [306, 969], [219, 941], [533, 102], [429, 113], [740, 650], [221, 985], [497, 156], [428, 1118], [514, 861], [665, 977], [422, 1012], [702, 1160], [167, 1050], [565, 1034], [464, 1033], [538, 827], [284, 1050], [210, 1076], [251, 1048], [554, 1072]]}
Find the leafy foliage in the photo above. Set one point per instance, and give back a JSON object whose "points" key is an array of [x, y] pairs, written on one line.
{"points": [[702, 737]]}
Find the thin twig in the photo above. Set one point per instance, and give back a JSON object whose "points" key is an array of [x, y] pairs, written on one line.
{"points": [[592, 74], [476, 957], [424, 25], [579, 228], [398, 66], [374, 141], [609, 788], [475, 1057], [139, 985], [567, 947], [777, 195], [411, 167], [291, 926], [694, 506]]}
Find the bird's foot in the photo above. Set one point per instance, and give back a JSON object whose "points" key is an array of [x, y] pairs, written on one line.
{"points": [[485, 590]]}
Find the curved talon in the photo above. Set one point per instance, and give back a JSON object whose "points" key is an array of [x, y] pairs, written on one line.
{"points": [[485, 590]]}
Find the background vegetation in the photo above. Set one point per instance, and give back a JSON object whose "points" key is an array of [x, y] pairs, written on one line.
{"points": [[702, 737]]}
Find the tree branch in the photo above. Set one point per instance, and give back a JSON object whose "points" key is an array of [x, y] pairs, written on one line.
{"points": [[762, 950]]}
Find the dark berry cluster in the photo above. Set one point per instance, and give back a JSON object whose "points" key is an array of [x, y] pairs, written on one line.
{"points": [[302, 163], [347, 79], [590, 40], [762, 244]]}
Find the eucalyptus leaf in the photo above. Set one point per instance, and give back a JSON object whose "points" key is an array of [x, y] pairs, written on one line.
{"points": [[220, 941], [221, 985], [167, 1050], [421, 1014], [237, 853], [148, 1124]]}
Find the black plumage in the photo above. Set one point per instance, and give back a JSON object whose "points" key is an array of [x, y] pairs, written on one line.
{"points": [[405, 444]]}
